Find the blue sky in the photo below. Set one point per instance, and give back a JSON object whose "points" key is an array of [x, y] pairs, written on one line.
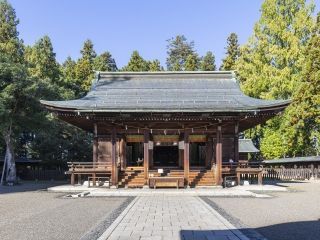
{"points": [[125, 25]]}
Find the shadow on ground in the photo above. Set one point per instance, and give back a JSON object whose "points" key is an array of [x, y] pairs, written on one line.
{"points": [[307, 230], [26, 186]]}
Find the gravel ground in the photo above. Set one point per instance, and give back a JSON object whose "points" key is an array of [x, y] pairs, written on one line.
{"points": [[42, 215], [293, 215]]}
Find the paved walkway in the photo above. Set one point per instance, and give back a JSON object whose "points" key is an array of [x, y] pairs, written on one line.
{"points": [[171, 217]]}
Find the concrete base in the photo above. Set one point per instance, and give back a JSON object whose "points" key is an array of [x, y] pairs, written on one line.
{"points": [[238, 191]]}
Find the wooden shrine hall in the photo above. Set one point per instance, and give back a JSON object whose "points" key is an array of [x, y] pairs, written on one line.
{"points": [[156, 125]]}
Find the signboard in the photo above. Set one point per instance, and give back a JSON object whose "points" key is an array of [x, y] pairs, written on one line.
{"points": [[134, 138], [166, 138], [197, 138]]}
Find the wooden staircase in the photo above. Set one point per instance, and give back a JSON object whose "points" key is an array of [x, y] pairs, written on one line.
{"points": [[132, 177], [198, 177], [201, 178]]}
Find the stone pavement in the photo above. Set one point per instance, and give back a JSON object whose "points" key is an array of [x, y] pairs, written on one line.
{"points": [[171, 217]]}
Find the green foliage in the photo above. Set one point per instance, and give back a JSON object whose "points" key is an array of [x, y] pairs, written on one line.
{"points": [[270, 66], [192, 63], [66, 143], [178, 50], [208, 62], [154, 66], [228, 63], [304, 112], [69, 78], [104, 62], [42, 62], [9, 35], [84, 67], [136, 63], [273, 146]]}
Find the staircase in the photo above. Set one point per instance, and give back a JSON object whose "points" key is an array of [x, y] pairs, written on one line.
{"points": [[132, 177], [198, 177], [201, 178]]}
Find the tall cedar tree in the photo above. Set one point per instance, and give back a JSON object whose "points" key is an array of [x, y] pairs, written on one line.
{"points": [[228, 63], [136, 63], [270, 63], [178, 50], [42, 62], [305, 111], [69, 77], [208, 62], [16, 89], [84, 67]]}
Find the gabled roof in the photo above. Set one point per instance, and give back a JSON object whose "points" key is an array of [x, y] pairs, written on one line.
{"points": [[216, 91], [246, 146]]}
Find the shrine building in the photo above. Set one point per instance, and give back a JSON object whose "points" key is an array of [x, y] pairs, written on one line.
{"points": [[178, 124]]}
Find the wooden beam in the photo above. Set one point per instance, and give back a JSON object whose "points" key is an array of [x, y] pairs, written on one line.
{"points": [[146, 156], [114, 171], [186, 162], [219, 156], [236, 142]]}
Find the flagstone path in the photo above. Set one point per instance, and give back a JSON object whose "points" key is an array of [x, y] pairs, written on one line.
{"points": [[171, 217]]}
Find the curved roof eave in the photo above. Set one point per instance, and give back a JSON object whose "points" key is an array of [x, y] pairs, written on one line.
{"points": [[59, 106]]}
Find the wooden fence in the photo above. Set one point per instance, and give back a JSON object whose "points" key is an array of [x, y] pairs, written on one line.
{"points": [[43, 174], [290, 173]]}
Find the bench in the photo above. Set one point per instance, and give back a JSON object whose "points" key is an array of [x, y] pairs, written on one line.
{"points": [[166, 182]]}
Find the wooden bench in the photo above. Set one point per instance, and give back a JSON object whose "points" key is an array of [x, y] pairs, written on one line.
{"points": [[166, 182]]}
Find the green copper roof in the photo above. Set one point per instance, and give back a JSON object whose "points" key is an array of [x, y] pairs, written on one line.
{"points": [[246, 146], [216, 91]]}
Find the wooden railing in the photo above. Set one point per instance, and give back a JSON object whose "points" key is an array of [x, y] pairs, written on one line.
{"points": [[289, 173], [269, 173], [88, 167]]}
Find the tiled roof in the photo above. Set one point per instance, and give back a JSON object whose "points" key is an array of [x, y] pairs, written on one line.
{"points": [[166, 92], [246, 146]]}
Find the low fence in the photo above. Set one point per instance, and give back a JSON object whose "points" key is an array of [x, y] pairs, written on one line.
{"points": [[290, 173], [43, 174]]}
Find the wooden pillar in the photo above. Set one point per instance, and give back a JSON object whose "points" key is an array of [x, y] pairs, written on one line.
{"points": [[95, 143], [219, 156], [236, 142], [186, 164], [114, 167], [208, 152], [123, 156], [146, 156]]}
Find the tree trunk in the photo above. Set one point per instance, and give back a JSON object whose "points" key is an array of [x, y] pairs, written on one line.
{"points": [[11, 175]]}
